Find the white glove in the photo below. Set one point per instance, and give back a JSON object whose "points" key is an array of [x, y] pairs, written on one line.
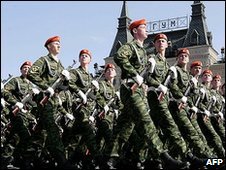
{"points": [[221, 115], [66, 74], [2, 86], [118, 95], [106, 108], [223, 99], [50, 91], [203, 92], [2, 102], [83, 96], [139, 80], [91, 119], [207, 113], [152, 62], [162, 88], [116, 113], [194, 81], [95, 84], [35, 91], [70, 116], [19, 105], [184, 99], [174, 71], [214, 99], [194, 109]]}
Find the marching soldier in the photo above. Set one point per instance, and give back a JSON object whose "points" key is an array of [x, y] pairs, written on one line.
{"points": [[181, 86], [84, 88], [132, 59], [217, 110], [15, 90], [44, 73], [158, 81], [201, 99]]}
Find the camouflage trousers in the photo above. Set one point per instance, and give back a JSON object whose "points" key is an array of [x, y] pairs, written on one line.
{"points": [[189, 133], [135, 115], [213, 139], [164, 121]]}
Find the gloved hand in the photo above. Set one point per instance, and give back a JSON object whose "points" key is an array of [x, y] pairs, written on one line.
{"points": [[106, 108], [66, 74], [207, 112], [70, 116], [2, 102], [152, 62], [162, 88], [194, 81], [184, 99], [95, 84], [202, 92], [174, 71], [50, 91], [91, 119], [221, 115], [117, 94], [83, 96], [214, 99], [19, 105], [139, 80], [35, 91], [116, 113], [194, 109]]}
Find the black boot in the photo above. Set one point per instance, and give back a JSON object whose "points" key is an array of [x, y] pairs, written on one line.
{"points": [[195, 161], [171, 163]]}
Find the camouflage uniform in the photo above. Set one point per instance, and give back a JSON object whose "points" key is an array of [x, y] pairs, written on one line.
{"points": [[216, 121], [15, 90], [81, 80], [43, 73], [160, 112], [211, 135], [181, 117], [132, 58]]}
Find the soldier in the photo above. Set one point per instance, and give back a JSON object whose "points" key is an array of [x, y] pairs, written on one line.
{"points": [[158, 81], [109, 104], [132, 59], [83, 87], [15, 90], [217, 110], [43, 73], [199, 103], [180, 85]]}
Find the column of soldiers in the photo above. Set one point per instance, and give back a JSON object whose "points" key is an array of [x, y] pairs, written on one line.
{"points": [[161, 116]]}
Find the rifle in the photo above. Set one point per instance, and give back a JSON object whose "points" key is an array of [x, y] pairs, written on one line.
{"points": [[142, 74], [185, 94], [56, 84], [101, 114], [160, 97], [7, 80]]}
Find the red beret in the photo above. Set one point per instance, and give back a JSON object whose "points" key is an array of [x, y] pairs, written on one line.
{"points": [[160, 36], [217, 76], [85, 51], [135, 24], [52, 39], [207, 71], [183, 50], [196, 63], [26, 63], [109, 65]]}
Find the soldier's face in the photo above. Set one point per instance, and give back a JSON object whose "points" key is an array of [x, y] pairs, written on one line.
{"points": [[141, 32], [183, 58], [207, 77], [25, 70], [216, 83], [196, 70], [54, 47], [84, 59], [110, 73], [161, 44]]}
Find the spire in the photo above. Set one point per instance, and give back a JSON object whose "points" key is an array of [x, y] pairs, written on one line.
{"points": [[198, 32], [123, 35]]}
